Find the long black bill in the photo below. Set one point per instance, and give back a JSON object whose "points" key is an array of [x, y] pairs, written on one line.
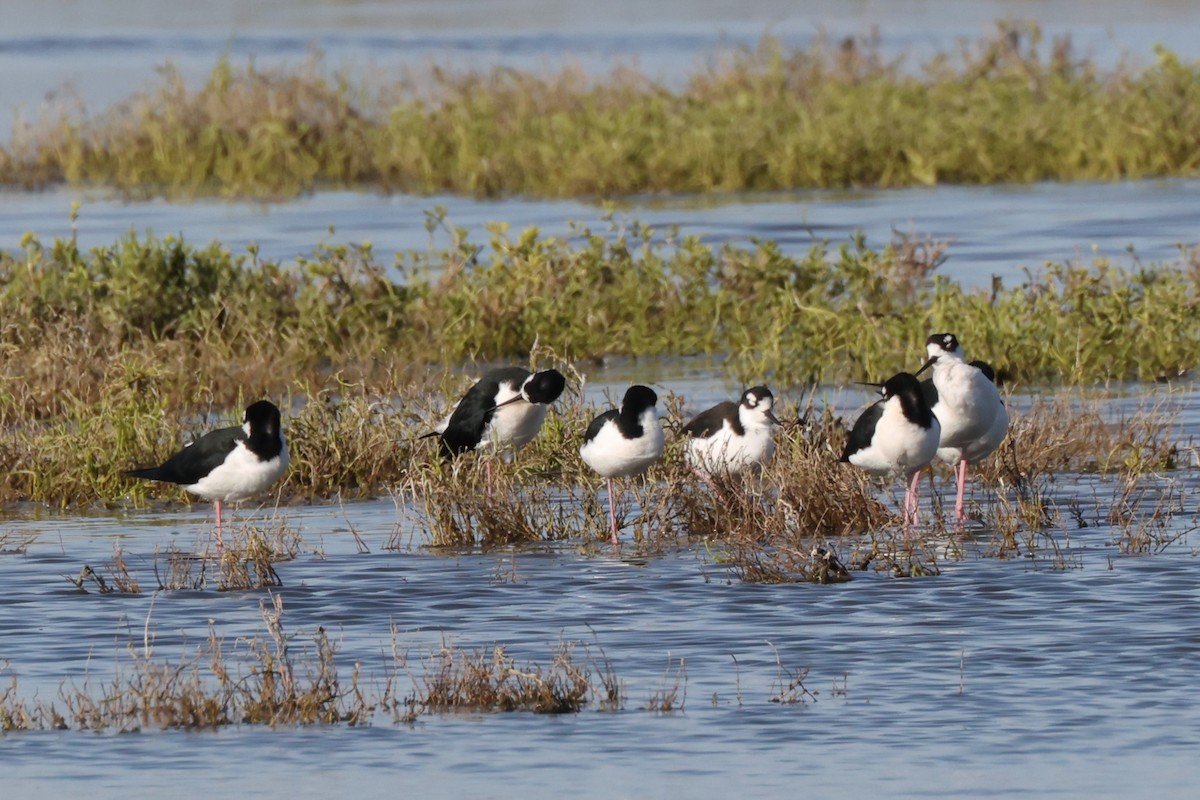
{"points": [[509, 401], [926, 366], [878, 387]]}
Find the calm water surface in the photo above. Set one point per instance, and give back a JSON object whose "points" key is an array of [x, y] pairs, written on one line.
{"points": [[1039, 675], [991, 231], [1035, 676], [98, 53]]}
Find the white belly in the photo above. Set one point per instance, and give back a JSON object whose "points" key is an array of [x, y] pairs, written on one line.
{"points": [[614, 456], [513, 426], [967, 404], [898, 446], [728, 453], [982, 447], [242, 476]]}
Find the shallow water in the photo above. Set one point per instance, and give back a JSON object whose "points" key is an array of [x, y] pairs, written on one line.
{"points": [[1048, 675], [1004, 231], [1040, 676], [100, 53]]}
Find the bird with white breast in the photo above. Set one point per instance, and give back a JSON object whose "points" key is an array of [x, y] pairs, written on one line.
{"points": [[624, 442], [231, 464], [897, 435], [500, 413], [731, 437], [968, 406]]}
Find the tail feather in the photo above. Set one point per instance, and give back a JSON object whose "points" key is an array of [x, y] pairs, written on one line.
{"points": [[149, 473]]}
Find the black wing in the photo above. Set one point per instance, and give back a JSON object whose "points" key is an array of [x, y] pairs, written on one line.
{"points": [[986, 369], [706, 423], [863, 430], [194, 462], [929, 391], [594, 429], [477, 407]]}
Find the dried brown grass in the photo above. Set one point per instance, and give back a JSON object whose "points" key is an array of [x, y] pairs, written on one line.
{"points": [[246, 562], [488, 679]]}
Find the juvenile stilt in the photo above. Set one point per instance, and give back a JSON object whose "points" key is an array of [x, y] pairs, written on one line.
{"points": [[732, 437]]}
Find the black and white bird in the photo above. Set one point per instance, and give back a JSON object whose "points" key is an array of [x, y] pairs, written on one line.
{"points": [[501, 413], [231, 464], [731, 437], [897, 435], [973, 451], [968, 406], [624, 443]]}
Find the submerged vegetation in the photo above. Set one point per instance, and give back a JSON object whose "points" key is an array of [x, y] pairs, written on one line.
{"points": [[274, 680], [1009, 109]]}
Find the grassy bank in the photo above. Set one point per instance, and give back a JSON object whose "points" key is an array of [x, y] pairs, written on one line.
{"points": [[113, 356], [1008, 109], [160, 321]]}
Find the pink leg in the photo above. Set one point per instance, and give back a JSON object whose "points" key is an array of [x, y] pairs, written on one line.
{"points": [[220, 543], [961, 473], [488, 466], [704, 476], [612, 514], [910, 499]]}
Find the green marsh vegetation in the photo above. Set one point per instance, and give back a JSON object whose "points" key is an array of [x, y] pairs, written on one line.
{"points": [[153, 326], [1010, 108], [115, 356]]}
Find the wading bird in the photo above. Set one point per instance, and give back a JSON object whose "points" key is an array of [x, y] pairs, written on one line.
{"points": [[231, 464], [897, 435], [501, 413], [622, 443], [729, 437], [968, 406]]}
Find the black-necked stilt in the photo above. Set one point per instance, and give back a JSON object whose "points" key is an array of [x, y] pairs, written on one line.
{"points": [[729, 437], [501, 413], [897, 435], [624, 443], [966, 403], [231, 464], [973, 451]]}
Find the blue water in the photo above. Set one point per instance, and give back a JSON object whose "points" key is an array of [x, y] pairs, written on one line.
{"points": [[995, 677], [98, 53], [1033, 676], [1005, 231]]}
